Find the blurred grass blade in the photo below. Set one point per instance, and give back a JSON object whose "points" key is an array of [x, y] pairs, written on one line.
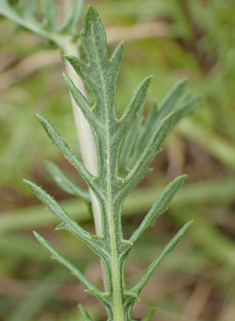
{"points": [[217, 244], [194, 194], [217, 146], [29, 307]]}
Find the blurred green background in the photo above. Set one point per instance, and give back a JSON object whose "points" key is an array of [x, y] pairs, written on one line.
{"points": [[170, 39]]}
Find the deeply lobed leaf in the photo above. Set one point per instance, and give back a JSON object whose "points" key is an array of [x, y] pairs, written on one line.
{"points": [[110, 186]]}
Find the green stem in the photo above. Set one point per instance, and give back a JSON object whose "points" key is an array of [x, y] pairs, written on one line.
{"points": [[116, 276], [220, 148], [118, 313]]}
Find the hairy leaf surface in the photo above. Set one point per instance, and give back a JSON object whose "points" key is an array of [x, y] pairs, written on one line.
{"points": [[117, 173]]}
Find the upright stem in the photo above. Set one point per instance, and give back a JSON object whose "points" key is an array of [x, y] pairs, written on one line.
{"points": [[85, 136]]}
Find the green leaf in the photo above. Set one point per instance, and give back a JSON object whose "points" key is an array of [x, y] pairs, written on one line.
{"points": [[159, 207], [153, 146], [66, 263], [67, 223], [71, 23], [171, 99], [140, 168], [185, 107], [170, 103], [112, 137], [24, 18], [168, 248], [49, 22], [83, 104], [136, 103], [69, 155], [57, 210], [65, 183], [27, 9], [149, 314], [84, 313], [127, 146], [24, 15], [100, 76], [115, 63]]}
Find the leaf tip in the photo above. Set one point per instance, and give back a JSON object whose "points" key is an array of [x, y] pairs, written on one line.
{"points": [[183, 81], [38, 236], [61, 226], [40, 118], [91, 17], [67, 80], [69, 58], [91, 7], [84, 312], [181, 178], [186, 226], [149, 314], [189, 223], [148, 79], [91, 10], [170, 117], [121, 45], [28, 183], [64, 75]]}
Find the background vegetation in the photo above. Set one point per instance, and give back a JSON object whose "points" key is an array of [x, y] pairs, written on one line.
{"points": [[170, 39]]}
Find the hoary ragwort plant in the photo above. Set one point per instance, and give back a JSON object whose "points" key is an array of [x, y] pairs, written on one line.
{"points": [[125, 148]]}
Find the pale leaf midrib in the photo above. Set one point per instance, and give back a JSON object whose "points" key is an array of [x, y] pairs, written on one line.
{"points": [[118, 313]]}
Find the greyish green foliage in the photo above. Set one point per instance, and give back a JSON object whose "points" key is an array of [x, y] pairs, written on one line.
{"points": [[125, 149], [24, 14]]}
